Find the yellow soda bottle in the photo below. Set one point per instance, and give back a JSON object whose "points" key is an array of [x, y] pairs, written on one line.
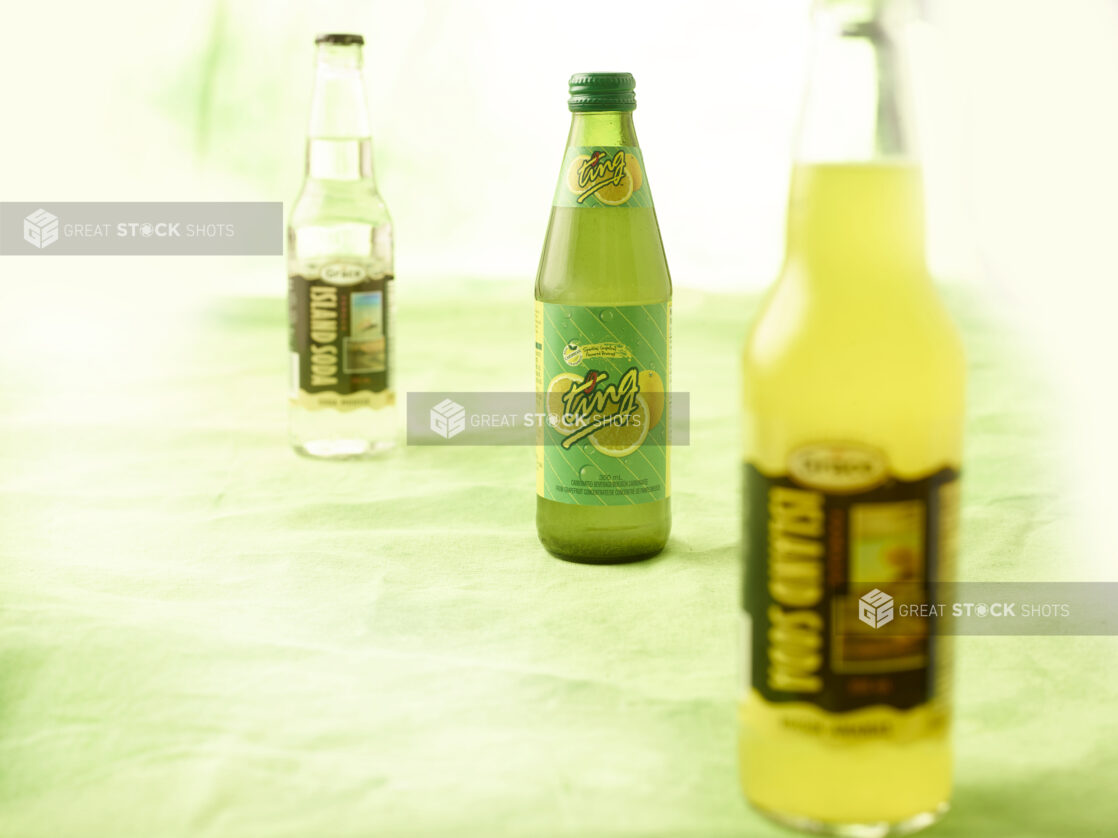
{"points": [[854, 379]]}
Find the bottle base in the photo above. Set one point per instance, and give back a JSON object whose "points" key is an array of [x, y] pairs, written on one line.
{"points": [[342, 449], [603, 534], [600, 556], [880, 829]]}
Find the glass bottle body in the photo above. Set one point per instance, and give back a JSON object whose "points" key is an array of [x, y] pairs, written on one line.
{"points": [[853, 356], [341, 288], [602, 258]]}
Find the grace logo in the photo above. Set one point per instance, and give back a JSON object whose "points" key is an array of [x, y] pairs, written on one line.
{"points": [[875, 609], [448, 419], [40, 228]]}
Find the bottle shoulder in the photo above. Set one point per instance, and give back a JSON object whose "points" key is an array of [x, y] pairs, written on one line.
{"points": [[879, 332], [356, 226], [328, 203], [603, 256]]}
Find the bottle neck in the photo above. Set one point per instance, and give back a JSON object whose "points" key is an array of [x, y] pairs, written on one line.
{"points": [[339, 142], [602, 128], [861, 222], [856, 199], [856, 107]]}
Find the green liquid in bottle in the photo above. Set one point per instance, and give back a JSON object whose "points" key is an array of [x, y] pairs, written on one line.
{"points": [[603, 294]]}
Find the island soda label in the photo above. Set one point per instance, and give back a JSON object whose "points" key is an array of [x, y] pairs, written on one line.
{"points": [[827, 546], [339, 340]]}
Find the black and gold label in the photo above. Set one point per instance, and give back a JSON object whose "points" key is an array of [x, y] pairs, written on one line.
{"points": [[825, 545], [339, 335]]}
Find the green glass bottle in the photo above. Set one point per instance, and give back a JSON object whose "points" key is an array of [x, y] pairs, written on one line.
{"points": [[603, 319]]}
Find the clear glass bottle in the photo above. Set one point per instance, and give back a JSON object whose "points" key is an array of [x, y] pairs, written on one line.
{"points": [[853, 418], [340, 274]]}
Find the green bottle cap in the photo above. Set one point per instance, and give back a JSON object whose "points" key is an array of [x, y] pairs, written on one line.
{"points": [[602, 92]]}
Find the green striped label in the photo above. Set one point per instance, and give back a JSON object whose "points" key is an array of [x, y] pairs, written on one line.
{"points": [[602, 372]]}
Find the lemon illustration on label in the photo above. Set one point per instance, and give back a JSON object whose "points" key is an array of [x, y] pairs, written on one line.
{"points": [[578, 164], [557, 388], [617, 194], [634, 169], [621, 189], [652, 390], [624, 437]]}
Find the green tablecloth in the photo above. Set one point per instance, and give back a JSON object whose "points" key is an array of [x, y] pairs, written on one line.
{"points": [[202, 634]]}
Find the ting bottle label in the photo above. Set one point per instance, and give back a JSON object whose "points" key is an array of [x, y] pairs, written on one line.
{"points": [[339, 338], [836, 552], [602, 379], [602, 176]]}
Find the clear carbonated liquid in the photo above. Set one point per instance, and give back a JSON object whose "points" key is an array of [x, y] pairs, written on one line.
{"points": [[340, 217]]}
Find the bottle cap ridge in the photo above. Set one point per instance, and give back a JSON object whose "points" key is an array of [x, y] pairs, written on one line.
{"points": [[340, 39], [602, 92]]}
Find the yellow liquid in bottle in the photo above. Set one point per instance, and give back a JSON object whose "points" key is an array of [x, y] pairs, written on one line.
{"points": [[853, 344]]}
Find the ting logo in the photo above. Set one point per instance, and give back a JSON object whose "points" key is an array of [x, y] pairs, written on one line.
{"points": [[594, 406], [596, 172], [611, 176]]}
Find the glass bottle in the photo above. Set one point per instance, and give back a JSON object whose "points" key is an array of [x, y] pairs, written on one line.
{"points": [[342, 400], [853, 419], [603, 314]]}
